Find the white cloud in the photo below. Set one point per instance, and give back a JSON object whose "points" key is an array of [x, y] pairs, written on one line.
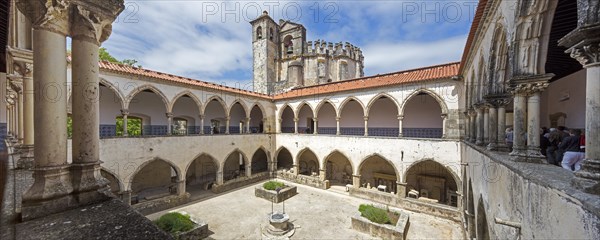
{"points": [[382, 57]]}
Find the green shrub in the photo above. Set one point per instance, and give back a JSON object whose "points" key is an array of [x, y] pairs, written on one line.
{"points": [[175, 222], [374, 214], [272, 185]]}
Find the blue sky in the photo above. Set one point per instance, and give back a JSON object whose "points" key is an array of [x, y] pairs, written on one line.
{"points": [[211, 40]]}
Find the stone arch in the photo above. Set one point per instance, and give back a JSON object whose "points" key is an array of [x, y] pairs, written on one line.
{"points": [[215, 121], [257, 124], [113, 180], [482, 222], [154, 182], [146, 163], [207, 178], [322, 103], [377, 97], [381, 175], [189, 94], [305, 125], [218, 99], [286, 125], [289, 163], [244, 107], [149, 87], [238, 112], [232, 170], [326, 115], [261, 107], [383, 116], [256, 163], [308, 166], [429, 92], [115, 90], [347, 100], [433, 180], [301, 105], [339, 171]]}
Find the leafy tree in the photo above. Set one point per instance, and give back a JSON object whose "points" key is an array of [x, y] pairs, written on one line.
{"points": [[134, 126], [69, 127], [105, 56]]}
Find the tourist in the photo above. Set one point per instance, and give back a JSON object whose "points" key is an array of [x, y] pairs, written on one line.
{"points": [[553, 154], [570, 146], [508, 138], [544, 140]]}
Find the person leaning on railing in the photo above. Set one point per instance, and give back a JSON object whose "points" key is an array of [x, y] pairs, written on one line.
{"points": [[571, 146]]}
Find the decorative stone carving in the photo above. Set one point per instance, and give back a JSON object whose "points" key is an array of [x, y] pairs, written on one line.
{"points": [[586, 54], [588, 12], [169, 115], [94, 23], [125, 112], [52, 15]]}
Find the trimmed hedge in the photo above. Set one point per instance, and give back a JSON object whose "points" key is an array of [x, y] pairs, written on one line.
{"points": [[175, 222], [375, 214], [272, 185]]}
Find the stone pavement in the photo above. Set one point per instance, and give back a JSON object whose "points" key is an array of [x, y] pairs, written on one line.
{"points": [[316, 214]]}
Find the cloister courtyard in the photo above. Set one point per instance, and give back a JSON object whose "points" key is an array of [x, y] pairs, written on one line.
{"points": [[315, 213]]}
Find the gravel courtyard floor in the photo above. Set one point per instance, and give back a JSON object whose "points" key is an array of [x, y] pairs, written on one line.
{"points": [[315, 213]]}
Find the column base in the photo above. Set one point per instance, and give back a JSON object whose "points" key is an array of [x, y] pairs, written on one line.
{"points": [[356, 181], [49, 194], [479, 142], [88, 184], [588, 178], [492, 146], [502, 147], [26, 157], [528, 156]]}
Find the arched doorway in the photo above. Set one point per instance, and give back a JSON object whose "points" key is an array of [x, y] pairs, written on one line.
{"points": [[237, 118], [433, 181], [214, 117], [352, 118], [383, 117], [110, 108], [260, 162], [377, 171], [234, 166], [308, 163], [256, 120], [326, 119], [285, 161], [186, 114], [156, 179], [115, 186], [482, 224], [306, 121], [201, 174], [422, 117], [287, 120], [338, 169]]}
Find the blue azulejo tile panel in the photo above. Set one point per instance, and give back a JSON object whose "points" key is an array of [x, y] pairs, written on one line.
{"points": [[3, 133], [357, 131], [287, 129], [384, 132], [234, 129], [327, 130], [422, 132], [158, 130], [107, 130]]}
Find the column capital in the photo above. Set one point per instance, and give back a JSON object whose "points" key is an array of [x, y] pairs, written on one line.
{"points": [[169, 114], [247, 119], [228, 118], [400, 117], [201, 116], [295, 119], [48, 15], [93, 22], [366, 118], [529, 84], [338, 118], [125, 112], [315, 119], [23, 69], [588, 54], [472, 112], [444, 115]]}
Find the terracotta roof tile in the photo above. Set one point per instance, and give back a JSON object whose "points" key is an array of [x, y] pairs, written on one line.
{"points": [[409, 76], [120, 68]]}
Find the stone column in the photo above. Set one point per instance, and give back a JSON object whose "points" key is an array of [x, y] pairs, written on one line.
{"points": [[501, 125], [473, 126], [220, 177], [51, 189], [444, 120], [201, 116], [28, 138], [467, 126], [479, 125], [401, 188], [366, 118], [280, 120], [315, 126], [520, 113], [90, 26], [493, 127], [486, 124], [170, 123], [533, 126], [322, 173], [126, 197], [296, 169], [247, 125], [337, 125], [9, 121], [125, 113], [295, 125], [584, 46], [400, 118], [264, 128], [227, 119], [356, 181], [181, 188], [20, 117]]}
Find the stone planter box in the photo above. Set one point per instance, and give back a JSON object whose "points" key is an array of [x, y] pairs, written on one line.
{"points": [[271, 195], [384, 231], [198, 232]]}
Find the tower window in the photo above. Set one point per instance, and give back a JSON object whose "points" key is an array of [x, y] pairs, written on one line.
{"points": [[271, 34], [288, 45], [259, 33]]}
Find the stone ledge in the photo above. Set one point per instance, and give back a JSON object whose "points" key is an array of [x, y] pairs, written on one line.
{"points": [[383, 231], [545, 175], [160, 204], [110, 220], [239, 182], [272, 196]]}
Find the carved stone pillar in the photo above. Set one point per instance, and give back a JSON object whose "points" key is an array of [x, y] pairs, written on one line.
{"points": [[181, 188], [479, 124], [220, 177], [247, 125], [28, 125], [280, 121], [533, 125], [444, 120], [169, 116], [315, 126], [227, 120], [584, 46], [201, 116], [493, 127], [89, 27], [20, 116], [400, 118], [467, 135], [296, 125], [337, 126], [125, 113], [486, 124], [356, 181], [366, 118], [473, 126], [401, 189], [519, 115], [501, 144], [322, 174]]}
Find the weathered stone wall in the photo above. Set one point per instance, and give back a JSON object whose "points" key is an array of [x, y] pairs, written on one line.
{"points": [[538, 197]]}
